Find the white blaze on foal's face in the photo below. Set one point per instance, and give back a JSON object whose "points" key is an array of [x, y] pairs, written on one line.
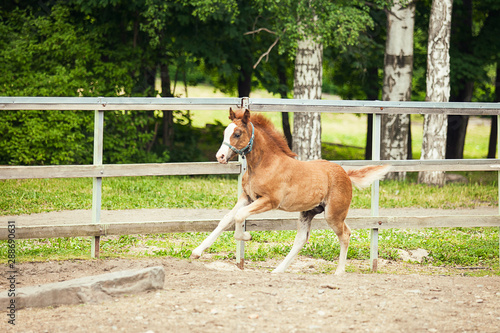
{"points": [[225, 153]]}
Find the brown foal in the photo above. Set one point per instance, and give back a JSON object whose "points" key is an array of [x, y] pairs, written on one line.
{"points": [[276, 180]]}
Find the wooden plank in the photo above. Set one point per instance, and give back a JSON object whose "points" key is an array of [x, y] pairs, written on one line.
{"points": [[53, 231], [172, 169], [214, 168], [255, 224], [118, 170], [254, 104], [117, 103], [430, 165], [372, 107]]}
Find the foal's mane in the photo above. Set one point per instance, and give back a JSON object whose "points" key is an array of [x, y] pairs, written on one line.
{"points": [[268, 128]]}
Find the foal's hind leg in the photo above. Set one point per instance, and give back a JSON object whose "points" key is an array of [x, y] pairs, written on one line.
{"points": [[225, 223], [336, 220], [303, 230]]}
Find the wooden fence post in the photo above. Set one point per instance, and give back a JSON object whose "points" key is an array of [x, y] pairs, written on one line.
{"points": [[498, 157], [240, 245], [375, 192], [97, 184]]}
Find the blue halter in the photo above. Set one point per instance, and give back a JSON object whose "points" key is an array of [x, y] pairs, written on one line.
{"points": [[245, 150]]}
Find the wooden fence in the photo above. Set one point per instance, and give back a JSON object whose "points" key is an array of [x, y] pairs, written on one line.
{"points": [[98, 170]]}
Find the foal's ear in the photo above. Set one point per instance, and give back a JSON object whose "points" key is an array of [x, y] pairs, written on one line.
{"points": [[231, 114], [246, 117]]}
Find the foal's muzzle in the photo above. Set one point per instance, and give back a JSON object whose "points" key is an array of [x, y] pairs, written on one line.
{"points": [[224, 155]]}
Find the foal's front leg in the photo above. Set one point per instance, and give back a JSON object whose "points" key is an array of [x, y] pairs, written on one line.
{"points": [[225, 223]]}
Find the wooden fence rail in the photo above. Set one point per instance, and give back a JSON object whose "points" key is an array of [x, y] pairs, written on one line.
{"points": [[214, 168], [97, 171], [252, 224]]}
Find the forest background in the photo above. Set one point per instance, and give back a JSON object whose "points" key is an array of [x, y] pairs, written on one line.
{"points": [[152, 47]]}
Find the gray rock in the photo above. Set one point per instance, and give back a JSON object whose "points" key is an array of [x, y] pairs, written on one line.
{"points": [[90, 289], [417, 255], [455, 178]]}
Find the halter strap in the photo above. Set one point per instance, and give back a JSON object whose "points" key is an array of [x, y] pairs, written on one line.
{"points": [[245, 150]]}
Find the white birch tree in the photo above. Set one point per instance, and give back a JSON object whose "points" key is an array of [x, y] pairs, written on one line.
{"points": [[437, 88], [302, 28], [398, 69]]}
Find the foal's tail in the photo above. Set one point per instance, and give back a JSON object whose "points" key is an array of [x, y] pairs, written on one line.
{"points": [[363, 177]]}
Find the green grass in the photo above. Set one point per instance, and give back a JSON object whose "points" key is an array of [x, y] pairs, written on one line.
{"points": [[219, 192], [450, 247], [45, 195], [456, 247]]}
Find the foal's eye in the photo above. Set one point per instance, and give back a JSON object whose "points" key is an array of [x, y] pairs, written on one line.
{"points": [[237, 135]]}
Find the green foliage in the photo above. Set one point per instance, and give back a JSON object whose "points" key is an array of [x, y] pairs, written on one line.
{"points": [[355, 72], [128, 138], [52, 55], [117, 47], [333, 23], [66, 137], [217, 9], [45, 137], [186, 143]]}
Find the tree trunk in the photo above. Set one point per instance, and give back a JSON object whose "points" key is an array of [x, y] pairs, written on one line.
{"points": [[455, 137], [369, 137], [244, 82], [307, 85], [372, 95], [492, 144], [168, 116], [410, 149], [285, 117], [398, 69], [437, 87], [492, 147], [461, 43]]}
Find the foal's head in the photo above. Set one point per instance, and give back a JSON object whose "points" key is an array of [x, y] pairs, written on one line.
{"points": [[238, 136]]}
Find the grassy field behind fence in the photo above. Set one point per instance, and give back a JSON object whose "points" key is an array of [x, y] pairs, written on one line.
{"points": [[476, 247]]}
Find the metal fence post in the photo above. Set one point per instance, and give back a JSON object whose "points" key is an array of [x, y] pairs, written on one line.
{"points": [[97, 184], [375, 192]]}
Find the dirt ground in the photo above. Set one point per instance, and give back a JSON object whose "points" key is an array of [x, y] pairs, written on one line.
{"points": [[215, 296]]}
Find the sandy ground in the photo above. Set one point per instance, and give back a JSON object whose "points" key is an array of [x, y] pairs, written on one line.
{"points": [[205, 296], [215, 296]]}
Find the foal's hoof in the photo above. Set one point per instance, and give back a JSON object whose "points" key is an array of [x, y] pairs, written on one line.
{"points": [[195, 255]]}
